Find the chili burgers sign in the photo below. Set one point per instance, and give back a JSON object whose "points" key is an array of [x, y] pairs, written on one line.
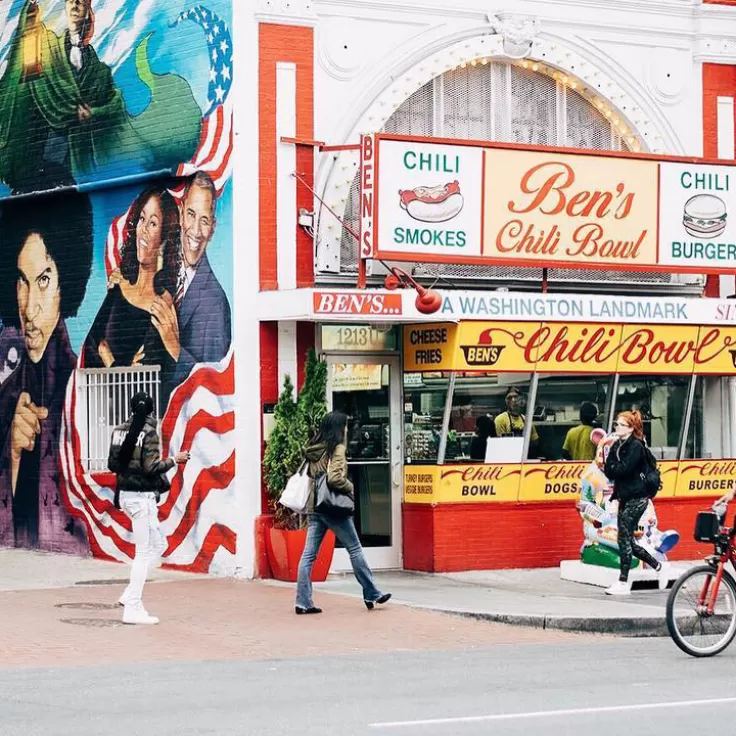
{"points": [[494, 204]]}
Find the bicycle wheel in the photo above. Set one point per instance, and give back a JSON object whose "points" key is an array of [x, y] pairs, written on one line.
{"points": [[691, 627]]}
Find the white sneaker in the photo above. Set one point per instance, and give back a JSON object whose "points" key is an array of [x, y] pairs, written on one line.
{"points": [[138, 615], [663, 576], [619, 588]]}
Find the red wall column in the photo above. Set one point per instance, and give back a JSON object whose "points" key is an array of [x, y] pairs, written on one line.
{"points": [[291, 44]]}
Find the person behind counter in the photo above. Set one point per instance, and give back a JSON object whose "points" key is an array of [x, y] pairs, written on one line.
{"points": [[578, 446], [484, 428], [510, 423]]}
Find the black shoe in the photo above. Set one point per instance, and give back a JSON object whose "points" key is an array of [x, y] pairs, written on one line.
{"points": [[301, 611], [383, 599]]}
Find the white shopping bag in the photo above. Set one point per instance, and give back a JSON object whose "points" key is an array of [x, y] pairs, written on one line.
{"points": [[296, 493]]}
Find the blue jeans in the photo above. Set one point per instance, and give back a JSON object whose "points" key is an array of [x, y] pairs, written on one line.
{"points": [[344, 530]]}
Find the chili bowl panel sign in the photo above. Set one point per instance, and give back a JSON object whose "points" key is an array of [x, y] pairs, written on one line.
{"points": [[429, 200], [473, 203], [581, 210]]}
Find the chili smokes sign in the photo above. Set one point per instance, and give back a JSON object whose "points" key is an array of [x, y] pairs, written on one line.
{"points": [[459, 202]]}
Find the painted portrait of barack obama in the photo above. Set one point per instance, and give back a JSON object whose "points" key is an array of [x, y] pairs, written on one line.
{"points": [[45, 263]]}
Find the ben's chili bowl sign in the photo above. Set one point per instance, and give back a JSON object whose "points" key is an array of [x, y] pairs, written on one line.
{"points": [[592, 348], [587, 210], [458, 202]]}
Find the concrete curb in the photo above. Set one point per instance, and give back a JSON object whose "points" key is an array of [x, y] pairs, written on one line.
{"points": [[623, 626], [634, 627]]}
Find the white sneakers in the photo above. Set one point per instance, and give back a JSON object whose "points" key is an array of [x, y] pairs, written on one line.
{"points": [[138, 615], [663, 579], [619, 588]]}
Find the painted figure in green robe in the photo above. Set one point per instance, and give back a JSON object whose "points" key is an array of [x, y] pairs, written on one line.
{"points": [[62, 118]]}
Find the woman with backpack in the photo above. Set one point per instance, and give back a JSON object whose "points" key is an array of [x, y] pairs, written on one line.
{"points": [[628, 465], [328, 456], [136, 460]]}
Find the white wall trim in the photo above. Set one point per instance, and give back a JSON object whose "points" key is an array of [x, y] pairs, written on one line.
{"points": [[725, 128], [287, 353], [286, 217], [246, 331]]}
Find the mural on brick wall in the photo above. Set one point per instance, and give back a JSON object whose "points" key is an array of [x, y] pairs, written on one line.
{"points": [[106, 287]]}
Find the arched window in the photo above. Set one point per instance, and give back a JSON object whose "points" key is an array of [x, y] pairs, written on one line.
{"points": [[507, 102]]}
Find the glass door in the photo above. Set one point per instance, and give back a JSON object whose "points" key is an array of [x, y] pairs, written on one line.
{"points": [[367, 389]]}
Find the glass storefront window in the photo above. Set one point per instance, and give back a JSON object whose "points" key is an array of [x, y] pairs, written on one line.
{"points": [[662, 401], [425, 396], [488, 406], [490, 415], [560, 402], [711, 438]]}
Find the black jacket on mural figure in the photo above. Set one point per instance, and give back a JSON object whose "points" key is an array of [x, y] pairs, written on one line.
{"points": [[146, 467], [626, 462]]}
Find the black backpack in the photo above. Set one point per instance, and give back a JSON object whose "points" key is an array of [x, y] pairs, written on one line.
{"points": [[651, 477]]}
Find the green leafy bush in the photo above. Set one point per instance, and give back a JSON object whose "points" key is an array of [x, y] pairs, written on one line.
{"points": [[296, 424]]}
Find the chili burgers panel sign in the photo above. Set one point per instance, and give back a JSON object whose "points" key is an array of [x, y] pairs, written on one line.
{"points": [[466, 202], [697, 217]]}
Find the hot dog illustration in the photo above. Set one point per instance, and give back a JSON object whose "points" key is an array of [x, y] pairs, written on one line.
{"points": [[433, 204]]}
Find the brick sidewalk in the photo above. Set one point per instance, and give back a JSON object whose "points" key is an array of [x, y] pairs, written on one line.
{"points": [[205, 619]]}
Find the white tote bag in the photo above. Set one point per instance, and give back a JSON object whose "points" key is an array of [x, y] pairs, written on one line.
{"points": [[296, 493]]}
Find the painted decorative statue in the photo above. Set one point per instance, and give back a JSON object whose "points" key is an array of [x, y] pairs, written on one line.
{"points": [[599, 514]]}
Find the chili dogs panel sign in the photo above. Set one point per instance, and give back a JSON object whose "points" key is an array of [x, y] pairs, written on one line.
{"points": [[456, 202]]}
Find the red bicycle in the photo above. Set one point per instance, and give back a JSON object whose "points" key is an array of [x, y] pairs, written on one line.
{"points": [[701, 608]]}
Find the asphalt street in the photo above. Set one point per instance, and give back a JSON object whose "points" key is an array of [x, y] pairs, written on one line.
{"points": [[583, 685]]}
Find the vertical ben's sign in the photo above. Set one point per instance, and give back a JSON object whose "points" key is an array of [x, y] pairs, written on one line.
{"points": [[367, 194]]}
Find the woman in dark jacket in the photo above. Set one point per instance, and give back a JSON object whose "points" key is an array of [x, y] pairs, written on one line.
{"points": [[136, 459], [626, 465], [328, 455]]}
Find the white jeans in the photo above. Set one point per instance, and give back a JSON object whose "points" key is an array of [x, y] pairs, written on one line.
{"points": [[149, 542]]}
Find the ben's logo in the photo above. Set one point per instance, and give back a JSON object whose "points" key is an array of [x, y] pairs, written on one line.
{"points": [[332, 302], [485, 352]]}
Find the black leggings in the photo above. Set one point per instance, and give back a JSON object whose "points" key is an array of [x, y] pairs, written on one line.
{"points": [[629, 514]]}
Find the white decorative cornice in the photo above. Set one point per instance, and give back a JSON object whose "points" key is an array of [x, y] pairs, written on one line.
{"points": [[715, 50], [286, 12], [517, 32]]}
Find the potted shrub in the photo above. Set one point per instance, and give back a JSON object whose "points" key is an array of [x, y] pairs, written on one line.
{"points": [[296, 422]]}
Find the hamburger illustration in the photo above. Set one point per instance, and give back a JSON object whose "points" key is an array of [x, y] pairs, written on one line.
{"points": [[705, 216], [432, 204]]}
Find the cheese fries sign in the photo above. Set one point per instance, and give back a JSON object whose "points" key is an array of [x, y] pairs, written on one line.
{"points": [[453, 201]]}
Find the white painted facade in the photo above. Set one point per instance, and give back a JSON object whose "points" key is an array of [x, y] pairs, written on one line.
{"points": [[637, 63]]}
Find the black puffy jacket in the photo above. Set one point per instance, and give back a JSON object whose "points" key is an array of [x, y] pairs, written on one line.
{"points": [[146, 466], [625, 464]]}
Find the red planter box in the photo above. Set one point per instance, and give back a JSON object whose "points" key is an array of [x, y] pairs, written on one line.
{"points": [[285, 549]]}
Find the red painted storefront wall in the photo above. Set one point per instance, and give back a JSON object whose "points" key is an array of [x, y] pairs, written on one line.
{"points": [[456, 537]]}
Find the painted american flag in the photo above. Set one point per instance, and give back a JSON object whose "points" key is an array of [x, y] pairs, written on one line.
{"points": [[197, 514], [214, 152]]}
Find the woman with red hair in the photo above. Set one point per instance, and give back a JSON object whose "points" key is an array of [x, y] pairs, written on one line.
{"points": [[627, 465]]}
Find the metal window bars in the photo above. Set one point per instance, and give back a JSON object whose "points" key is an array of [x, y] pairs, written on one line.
{"points": [[103, 402]]}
